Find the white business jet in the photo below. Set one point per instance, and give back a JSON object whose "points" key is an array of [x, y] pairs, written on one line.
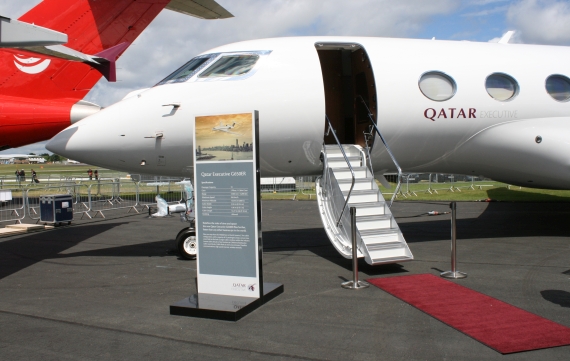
{"points": [[225, 128], [494, 109]]}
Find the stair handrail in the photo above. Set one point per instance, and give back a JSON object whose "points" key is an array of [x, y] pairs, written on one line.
{"points": [[399, 185], [347, 162], [367, 137]]}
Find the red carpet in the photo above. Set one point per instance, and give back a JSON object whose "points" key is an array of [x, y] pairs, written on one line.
{"points": [[497, 324]]}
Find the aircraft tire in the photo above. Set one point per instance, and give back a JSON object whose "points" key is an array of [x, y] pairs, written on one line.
{"points": [[186, 243]]}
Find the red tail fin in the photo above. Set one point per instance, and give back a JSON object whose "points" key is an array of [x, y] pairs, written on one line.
{"points": [[92, 27]]}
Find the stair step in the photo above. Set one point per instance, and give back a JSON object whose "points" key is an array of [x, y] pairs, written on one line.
{"points": [[388, 253], [364, 223], [344, 172], [379, 236], [392, 259], [340, 162], [383, 232], [380, 239], [383, 246], [369, 208], [334, 151], [359, 184], [370, 195]]}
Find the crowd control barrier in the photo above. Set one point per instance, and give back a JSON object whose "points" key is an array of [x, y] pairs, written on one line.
{"points": [[12, 205]]}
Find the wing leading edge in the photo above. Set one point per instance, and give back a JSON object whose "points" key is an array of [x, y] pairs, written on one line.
{"points": [[203, 9]]}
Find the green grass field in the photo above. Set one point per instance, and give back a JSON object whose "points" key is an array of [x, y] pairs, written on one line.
{"points": [[8, 170], [482, 191]]}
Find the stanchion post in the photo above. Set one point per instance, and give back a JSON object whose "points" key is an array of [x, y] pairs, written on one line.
{"points": [[453, 273], [355, 284]]}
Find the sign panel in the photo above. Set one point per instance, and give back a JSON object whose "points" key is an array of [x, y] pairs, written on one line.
{"points": [[226, 189]]}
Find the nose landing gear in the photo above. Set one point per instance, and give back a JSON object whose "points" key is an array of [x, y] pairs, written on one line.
{"points": [[186, 243]]}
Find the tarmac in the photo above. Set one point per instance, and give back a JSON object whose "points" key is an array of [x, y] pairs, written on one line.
{"points": [[101, 290]]}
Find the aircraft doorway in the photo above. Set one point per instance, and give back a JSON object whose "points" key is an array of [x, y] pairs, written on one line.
{"points": [[347, 76]]}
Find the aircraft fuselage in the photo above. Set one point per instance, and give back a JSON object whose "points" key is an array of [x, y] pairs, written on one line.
{"points": [[296, 81]]}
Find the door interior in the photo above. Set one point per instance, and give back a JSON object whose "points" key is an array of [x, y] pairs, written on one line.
{"points": [[347, 76]]}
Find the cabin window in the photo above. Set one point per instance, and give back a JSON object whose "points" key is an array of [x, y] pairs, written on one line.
{"points": [[501, 87], [189, 69], [437, 86], [558, 87], [231, 65]]}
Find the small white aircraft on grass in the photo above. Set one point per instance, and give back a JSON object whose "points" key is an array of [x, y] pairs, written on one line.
{"points": [[494, 109], [225, 128]]}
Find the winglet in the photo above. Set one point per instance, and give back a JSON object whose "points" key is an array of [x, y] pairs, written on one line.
{"points": [[506, 37], [106, 61]]}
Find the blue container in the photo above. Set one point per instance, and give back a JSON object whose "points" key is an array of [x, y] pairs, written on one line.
{"points": [[56, 208]]}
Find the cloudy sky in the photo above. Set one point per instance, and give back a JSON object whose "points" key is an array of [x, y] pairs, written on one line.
{"points": [[172, 39]]}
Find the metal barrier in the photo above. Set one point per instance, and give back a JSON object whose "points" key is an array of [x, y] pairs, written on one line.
{"points": [[12, 205], [416, 183]]}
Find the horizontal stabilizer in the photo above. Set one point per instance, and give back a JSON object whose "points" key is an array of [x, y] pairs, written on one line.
{"points": [[203, 9], [14, 33], [103, 61], [59, 51]]}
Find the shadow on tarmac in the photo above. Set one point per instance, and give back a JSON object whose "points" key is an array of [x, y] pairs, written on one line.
{"points": [[499, 219], [557, 297], [22, 252], [316, 241]]}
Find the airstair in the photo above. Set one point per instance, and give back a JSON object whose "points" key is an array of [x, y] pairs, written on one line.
{"points": [[348, 181]]}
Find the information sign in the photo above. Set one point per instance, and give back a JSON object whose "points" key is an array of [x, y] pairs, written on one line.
{"points": [[226, 177]]}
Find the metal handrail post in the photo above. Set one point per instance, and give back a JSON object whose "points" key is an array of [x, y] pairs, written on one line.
{"points": [[453, 273], [89, 197], [355, 284], [398, 168], [349, 167], [137, 194]]}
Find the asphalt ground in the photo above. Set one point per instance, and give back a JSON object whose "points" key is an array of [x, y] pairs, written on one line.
{"points": [[101, 290]]}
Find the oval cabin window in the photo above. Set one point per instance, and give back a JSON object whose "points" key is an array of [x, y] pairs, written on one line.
{"points": [[558, 87], [501, 87], [437, 86]]}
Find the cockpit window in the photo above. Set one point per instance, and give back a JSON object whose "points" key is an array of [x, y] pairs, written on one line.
{"points": [[189, 69], [231, 65]]}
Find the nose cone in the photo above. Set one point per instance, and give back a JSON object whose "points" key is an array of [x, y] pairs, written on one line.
{"points": [[59, 143], [86, 142]]}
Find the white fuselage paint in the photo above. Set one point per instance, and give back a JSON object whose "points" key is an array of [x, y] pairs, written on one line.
{"points": [[471, 133]]}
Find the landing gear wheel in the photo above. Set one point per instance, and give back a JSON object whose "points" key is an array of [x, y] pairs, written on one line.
{"points": [[187, 244]]}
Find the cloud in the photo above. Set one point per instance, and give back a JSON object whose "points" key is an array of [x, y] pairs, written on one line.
{"points": [[541, 21], [486, 12], [485, 2], [172, 39], [15, 9]]}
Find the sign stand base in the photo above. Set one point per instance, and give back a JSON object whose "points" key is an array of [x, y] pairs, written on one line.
{"points": [[220, 307]]}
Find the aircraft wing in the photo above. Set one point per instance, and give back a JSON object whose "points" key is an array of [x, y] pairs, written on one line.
{"points": [[203, 9]]}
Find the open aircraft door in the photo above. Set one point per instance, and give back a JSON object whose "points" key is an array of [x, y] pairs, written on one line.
{"points": [[348, 79]]}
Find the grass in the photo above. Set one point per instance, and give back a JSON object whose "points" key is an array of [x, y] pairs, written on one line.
{"points": [[9, 169], [482, 191]]}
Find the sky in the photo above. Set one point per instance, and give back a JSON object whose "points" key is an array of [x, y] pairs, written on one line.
{"points": [[173, 39]]}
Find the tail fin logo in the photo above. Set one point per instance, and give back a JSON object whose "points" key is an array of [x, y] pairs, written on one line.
{"points": [[31, 65]]}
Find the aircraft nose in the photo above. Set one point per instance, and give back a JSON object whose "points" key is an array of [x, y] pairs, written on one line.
{"points": [[83, 142], [59, 143]]}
